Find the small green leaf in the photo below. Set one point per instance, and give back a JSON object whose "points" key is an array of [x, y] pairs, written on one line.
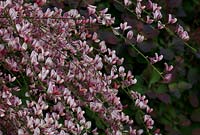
{"points": [[173, 87], [155, 77], [161, 89], [184, 85], [139, 117], [151, 75], [139, 86]]}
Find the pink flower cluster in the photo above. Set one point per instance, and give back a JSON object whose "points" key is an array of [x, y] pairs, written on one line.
{"points": [[155, 15], [168, 69], [53, 67]]}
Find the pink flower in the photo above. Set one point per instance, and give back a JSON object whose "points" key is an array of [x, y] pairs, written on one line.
{"points": [[104, 11], [73, 13], [171, 20], [95, 37], [34, 59], [140, 131], [167, 78], [149, 21], [12, 13], [156, 58], [11, 79], [160, 25], [12, 64], [127, 2], [124, 26], [48, 13], [49, 62], [130, 35], [40, 2], [168, 68], [20, 132], [103, 47], [139, 8], [36, 131], [50, 87], [185, 35], [140, 38], [149, 122], [43, 73], [91, 9], [155, 7], [182, 34], [157, 15]]}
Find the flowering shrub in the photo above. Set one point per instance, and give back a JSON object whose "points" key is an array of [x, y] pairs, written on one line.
{"points": [[58, 77]]}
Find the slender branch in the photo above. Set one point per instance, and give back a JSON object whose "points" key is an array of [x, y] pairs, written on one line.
{"points": [[140, 53], [166, 28]]}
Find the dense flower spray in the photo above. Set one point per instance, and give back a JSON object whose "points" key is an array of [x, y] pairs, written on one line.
{"points": [[55, 71], [52, 73]]}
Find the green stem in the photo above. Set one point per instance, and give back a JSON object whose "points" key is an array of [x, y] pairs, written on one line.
{"points": [[140, 53]]}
